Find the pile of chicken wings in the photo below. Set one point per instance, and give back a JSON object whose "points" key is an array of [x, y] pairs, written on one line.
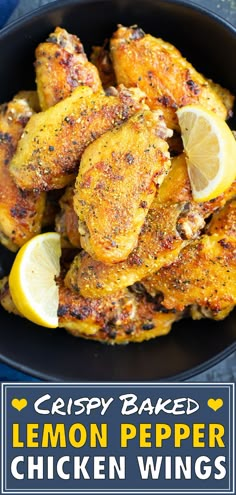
{"points": [[95, 153]]}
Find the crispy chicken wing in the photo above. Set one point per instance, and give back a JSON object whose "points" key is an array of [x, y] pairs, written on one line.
{"points": [[205, 272], [159, 243], [159, 69], [118, 319], [117, 182], [172, 221], [121, 318], [20, 212], [49, 152], [61, 65]]}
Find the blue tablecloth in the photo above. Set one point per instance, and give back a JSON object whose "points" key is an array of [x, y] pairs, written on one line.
{"points": [[10, 10]]}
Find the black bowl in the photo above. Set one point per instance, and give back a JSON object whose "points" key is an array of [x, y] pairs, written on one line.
{"points": [[210, 44]]}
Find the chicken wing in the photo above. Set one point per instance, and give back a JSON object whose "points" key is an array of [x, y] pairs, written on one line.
{"points": [[117, 181], [172, 221], [118, 319], [49, 152], [61, 65], [159, 69], [205, 272], [20, 212]]}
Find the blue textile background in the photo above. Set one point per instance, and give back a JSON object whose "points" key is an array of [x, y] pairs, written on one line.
{"points": [[6, 9]]}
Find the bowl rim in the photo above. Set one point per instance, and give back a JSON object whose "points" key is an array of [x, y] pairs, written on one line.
{"points": [[179, 377], [47, 8], [23, 20]]}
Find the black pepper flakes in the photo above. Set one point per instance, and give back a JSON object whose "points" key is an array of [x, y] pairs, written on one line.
{"points": [[148, 326]]}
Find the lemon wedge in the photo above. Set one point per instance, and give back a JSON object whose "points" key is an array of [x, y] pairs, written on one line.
{"points": [[210, 150], [32, 279]]}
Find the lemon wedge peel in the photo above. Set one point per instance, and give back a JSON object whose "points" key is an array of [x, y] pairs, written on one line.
{"points": [[32, 279], [210, 150]]}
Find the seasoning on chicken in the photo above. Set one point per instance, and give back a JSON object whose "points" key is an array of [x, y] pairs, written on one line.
{"points": [[61, 65], [20, 212], [173, 220], [205, 272], [67, 220], [49, 152], [168, 79], [117, 181]]}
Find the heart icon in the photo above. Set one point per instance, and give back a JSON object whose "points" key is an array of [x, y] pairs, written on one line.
{"points": [[215, 404], [19, 404]]}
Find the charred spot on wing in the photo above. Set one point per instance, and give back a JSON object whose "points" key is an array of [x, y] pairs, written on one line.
{"points": [[225, 244], [18, 211], [62, 310], [110, 329], [193, 86]]}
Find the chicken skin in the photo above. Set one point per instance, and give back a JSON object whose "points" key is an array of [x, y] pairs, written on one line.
{"points": [[159, 69], [67, 224], [205, 272], [118, 319], [49, 152], [61, 65], [223, 222], [173, 220], [117, 181], [20, 212], [31, 97], [100, 57]]}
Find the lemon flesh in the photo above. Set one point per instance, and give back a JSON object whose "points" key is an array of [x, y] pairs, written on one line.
{"points": [[32, 279], [210, 150]]}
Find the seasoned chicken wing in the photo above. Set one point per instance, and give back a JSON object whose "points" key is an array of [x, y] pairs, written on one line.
{"points": [[20, 212], [117, 181], [159, 243], [159, 69], [205, 272], [61, 65], [49, 152], [118, 319], [172, 221]]}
